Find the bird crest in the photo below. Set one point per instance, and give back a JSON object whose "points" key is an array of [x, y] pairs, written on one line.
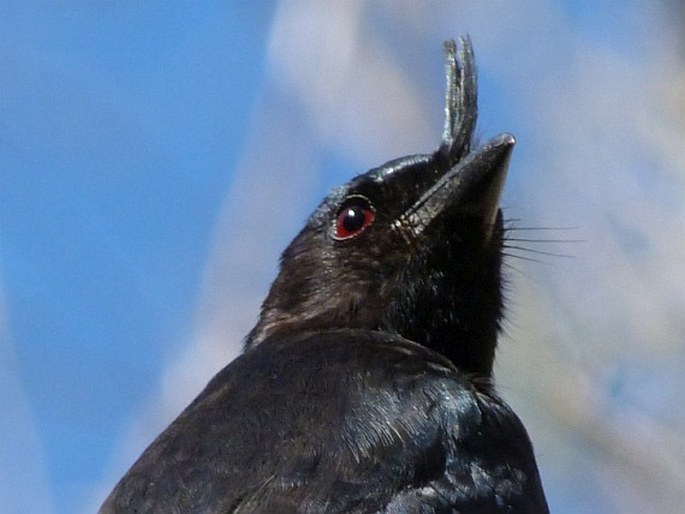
{"points": [[461, 100]]}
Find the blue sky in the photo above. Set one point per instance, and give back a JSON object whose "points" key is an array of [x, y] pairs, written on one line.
{"points": [[120, 130], [155, 158]]}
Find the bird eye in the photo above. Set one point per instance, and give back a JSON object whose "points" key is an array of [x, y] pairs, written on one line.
{"points": [[355, 215]]}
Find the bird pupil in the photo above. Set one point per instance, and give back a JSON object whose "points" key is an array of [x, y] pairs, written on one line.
{"points": [[353, 219]]}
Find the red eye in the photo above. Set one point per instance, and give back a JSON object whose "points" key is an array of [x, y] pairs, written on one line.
{"points": [[355, 215]]}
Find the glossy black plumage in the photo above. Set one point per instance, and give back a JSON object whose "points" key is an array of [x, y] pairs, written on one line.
{"points": [[366, 384]]}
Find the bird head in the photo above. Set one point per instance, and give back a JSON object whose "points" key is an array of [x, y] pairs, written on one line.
{"points": [[413, 247]]}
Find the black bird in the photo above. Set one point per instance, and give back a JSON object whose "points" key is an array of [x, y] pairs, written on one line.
{"points": [[366, 385]]}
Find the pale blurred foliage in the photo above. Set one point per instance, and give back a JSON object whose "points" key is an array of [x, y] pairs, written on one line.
{"points": [[593, 354]]}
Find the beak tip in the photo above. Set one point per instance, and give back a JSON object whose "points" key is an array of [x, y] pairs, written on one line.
{"points": [[507, 139], [501, 144], [498, 150]]}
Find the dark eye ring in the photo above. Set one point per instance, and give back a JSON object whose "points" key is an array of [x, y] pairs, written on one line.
{"points": [[353, 217]]}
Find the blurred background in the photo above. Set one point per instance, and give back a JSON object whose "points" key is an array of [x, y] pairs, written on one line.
{"points": [[155, 158]]}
